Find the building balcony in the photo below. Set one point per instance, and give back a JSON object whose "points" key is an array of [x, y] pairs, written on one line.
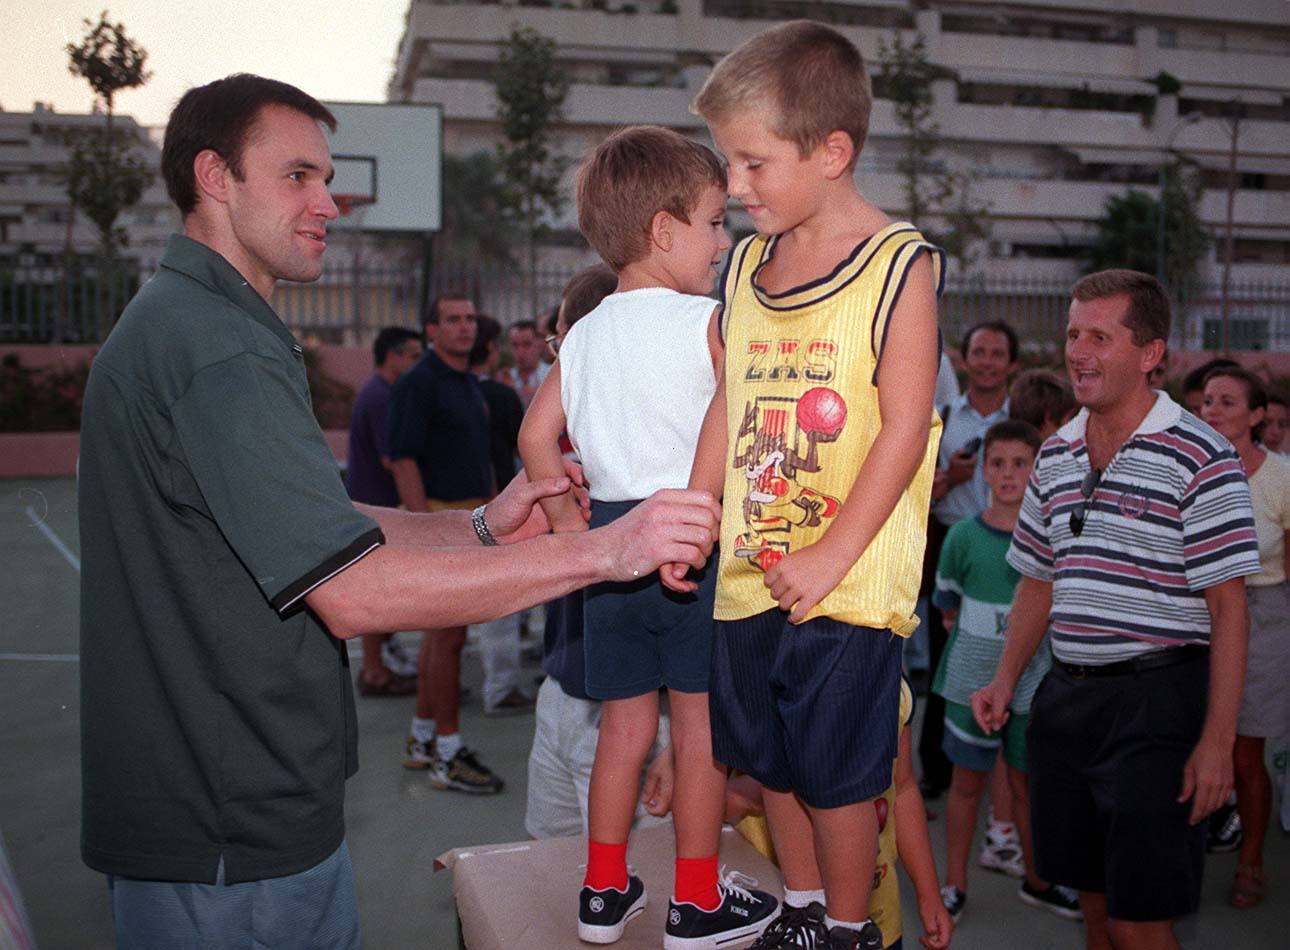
{"points": [[474, 100]]}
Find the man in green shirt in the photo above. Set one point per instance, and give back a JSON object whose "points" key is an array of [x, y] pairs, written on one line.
{"points": [[223, 562]]}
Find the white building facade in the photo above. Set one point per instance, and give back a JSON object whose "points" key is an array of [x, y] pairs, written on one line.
{"points": [[1051, 104], [35, 212]]}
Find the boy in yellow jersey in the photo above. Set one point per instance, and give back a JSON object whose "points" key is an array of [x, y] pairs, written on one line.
{"points": [[902, 833], [823, 437]]}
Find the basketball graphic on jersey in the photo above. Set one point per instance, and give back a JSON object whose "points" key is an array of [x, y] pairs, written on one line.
{"points": [[777, 444], [822, 413]]}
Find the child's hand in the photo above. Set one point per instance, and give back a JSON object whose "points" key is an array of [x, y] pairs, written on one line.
{"points": [[673, 578], [806, 577], [938, 926], [660, 780], [990, 706]]}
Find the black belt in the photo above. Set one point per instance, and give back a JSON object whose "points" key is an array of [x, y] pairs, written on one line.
{"points": [[1139, 664]]}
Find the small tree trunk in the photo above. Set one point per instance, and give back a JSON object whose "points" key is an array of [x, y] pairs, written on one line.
{"points": [[1229, 242]]}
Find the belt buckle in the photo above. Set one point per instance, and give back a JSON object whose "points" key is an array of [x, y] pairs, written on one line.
{"points": [[1079, 671]]}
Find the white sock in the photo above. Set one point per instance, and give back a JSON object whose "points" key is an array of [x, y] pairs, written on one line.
{"points": [[802, 898], [831, 922], [448, 745], [1002, 829], [423, 730]]}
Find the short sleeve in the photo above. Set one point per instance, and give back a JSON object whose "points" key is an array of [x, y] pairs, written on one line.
{"points": [[1219, 542], [950, 570], [408, 419], [1031, 551], [268, 477]]}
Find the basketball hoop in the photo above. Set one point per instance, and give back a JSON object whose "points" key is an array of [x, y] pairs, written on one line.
{"points": [[346, 203]]}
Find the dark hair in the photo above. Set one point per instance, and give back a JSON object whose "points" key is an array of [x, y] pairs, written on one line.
{"points": [[1012, 430], [584, 291], [220, 116], [1014, 347], [391, 339], [487, 332], [1148, 316], [1040, 395], [432, 311], [1256, 394], [1194, 381], [523, 325], [1277, 397]]}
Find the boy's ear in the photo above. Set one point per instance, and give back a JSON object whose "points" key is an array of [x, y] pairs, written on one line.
{"points": [[838, 152], [660, 230]]}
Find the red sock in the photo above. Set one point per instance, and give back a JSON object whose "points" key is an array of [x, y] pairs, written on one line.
{"points": [[696, 882], [606, 866]]}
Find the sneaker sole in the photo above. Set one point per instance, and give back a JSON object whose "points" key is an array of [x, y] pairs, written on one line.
{"points": [[999, 867], [716, 941], [448, 785], [1061, 912], [416, 764], [595, 933]]}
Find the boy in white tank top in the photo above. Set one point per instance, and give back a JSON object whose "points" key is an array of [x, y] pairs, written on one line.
{"points": [[630, 386]]}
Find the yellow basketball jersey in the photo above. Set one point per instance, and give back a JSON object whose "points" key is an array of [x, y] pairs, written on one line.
{"points": [[884, 899], [802, 414]]}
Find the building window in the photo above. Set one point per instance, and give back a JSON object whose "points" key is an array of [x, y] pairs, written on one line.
{"points": [[835, 14]]}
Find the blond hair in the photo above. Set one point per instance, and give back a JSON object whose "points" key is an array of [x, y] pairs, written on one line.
{"points": [[814, 76], [630, 177]]}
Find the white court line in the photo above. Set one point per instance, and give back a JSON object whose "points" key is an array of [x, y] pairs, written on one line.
{"points": [[42, 657], [54, 539]]}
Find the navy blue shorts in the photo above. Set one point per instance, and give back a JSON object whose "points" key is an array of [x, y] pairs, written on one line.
{"points": [[640, 636], [811, 708]]}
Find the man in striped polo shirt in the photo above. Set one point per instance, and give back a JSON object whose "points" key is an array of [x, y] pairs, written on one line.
{"points": [[1133, 541]]}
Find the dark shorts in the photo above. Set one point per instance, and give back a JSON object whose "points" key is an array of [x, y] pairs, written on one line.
{"points": [[811, 708], [641, 636], [1106, 757]]}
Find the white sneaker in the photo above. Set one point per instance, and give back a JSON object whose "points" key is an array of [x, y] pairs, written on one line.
{"points": [[1002, 853], [398, 659]]}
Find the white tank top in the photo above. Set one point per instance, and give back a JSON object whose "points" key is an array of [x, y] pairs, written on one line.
{"points": [[636, 378]]}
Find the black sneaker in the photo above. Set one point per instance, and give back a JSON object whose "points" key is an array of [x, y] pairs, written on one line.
{"points": [[463, 773], [868, 937], [742, 913], [1061, 901], [796, 928], [602, 915], [954, 901], [1225, 833]]}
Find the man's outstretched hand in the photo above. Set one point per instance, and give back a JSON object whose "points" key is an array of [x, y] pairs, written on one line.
{"points": [[515, 515], [672, 526]]}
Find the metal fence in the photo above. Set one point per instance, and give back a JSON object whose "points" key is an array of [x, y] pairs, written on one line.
{"points": [[353, 300]]}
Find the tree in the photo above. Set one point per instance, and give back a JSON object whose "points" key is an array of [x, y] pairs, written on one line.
{"points": [[478, 209], [1126, 232], [105, 175], [932, 187], [531, 88], [905, 77]]}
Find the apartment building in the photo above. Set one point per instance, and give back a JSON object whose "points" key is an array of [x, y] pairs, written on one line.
{"points": [[1053, 105], [34, 209]]}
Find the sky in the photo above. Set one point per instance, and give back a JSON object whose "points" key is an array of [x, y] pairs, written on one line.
{"points": [[340, 50]]}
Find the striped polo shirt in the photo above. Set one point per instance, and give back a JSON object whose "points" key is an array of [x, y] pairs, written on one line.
{"points": [[1170, 517]]}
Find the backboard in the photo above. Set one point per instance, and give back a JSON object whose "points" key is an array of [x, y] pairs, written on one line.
{"points": [[387, 161]]}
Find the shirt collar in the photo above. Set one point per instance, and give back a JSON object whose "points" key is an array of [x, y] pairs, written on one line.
{"points": [[1163, 415], [208, 267], [961, 403]]}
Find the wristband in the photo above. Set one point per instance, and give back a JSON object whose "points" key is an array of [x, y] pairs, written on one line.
{"points": [[481, 527]]}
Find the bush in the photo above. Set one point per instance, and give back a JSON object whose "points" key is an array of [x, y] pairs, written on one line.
{"points": [[49, 399]]}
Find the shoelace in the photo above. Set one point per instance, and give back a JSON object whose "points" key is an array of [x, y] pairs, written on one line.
{"points": [[794, 927], [737, 883]]}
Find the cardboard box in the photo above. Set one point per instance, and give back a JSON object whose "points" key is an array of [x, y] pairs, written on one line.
{"points": [[525, 894]]}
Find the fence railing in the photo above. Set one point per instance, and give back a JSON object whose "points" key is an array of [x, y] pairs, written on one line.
{"points": [[353, 300]]}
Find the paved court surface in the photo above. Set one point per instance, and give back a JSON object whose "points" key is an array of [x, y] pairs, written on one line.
{"points": [[397, 823]]}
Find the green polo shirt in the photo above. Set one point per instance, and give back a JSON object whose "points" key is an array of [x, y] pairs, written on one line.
{"points": [[217, 713]]}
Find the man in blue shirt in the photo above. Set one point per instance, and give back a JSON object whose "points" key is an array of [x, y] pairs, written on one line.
{"points": [[441, 455], [368, 479]]}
